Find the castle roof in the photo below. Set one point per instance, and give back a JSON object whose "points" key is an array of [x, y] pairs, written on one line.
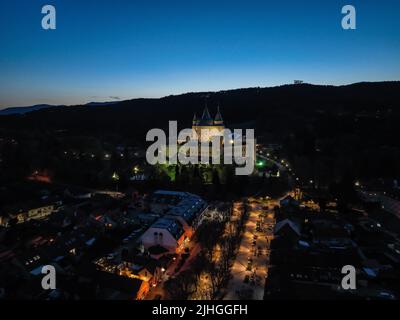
{"points": [[207, 120], [206, 115], [218, 116]]}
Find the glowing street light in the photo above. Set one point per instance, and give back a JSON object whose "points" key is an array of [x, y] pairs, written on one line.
{"points": [[260, 163], [115, 176]]}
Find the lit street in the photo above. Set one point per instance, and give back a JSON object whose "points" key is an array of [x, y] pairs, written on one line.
{"points": [[250, 268]]}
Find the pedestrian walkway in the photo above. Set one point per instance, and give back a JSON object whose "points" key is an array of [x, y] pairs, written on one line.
{"points": [[250, 268]]}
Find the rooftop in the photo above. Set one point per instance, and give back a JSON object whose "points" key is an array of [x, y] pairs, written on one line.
{"points": [[172, 225], [183, 204]]}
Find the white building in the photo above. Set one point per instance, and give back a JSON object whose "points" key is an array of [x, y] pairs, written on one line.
{"points": [[181, 214], [165, 232]]}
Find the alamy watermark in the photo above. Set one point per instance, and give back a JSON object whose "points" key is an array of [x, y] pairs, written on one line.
{"points": [[49, 280], [49, 20], [349, 280], [206, 146], [349, 20]]}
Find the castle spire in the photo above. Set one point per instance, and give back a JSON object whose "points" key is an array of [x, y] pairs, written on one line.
{"points": [[195, 120], [218, 117], [206, 117]]}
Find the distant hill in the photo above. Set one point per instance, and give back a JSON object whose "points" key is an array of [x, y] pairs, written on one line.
{"points": [[106, 103], [333, 134], [273, 109], [23, 110]]}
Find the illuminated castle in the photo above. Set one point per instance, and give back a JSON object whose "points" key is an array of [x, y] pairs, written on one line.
{"points": [[206, 127]]}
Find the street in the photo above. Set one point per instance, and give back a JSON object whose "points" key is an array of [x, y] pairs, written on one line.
{"points": [[250, 268]]}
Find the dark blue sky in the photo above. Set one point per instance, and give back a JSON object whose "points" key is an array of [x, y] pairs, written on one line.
{"points": [[109, 49]]}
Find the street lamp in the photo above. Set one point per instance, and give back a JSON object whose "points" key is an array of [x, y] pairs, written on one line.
{"points": [[115, 177]]}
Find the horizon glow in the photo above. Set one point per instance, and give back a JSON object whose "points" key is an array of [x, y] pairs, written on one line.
{"points": [[119, 50]]}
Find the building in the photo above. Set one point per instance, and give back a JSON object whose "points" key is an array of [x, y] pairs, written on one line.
{"points": [[208, 127], [186, 207], [289, 204], [33, 210], [205, 148], [288, 230], [180, 214], [189, 214], [162, 201], [142, 267], [167, 233]]}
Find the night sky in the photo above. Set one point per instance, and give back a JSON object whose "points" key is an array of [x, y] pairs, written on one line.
{"points": [[120, 49]]}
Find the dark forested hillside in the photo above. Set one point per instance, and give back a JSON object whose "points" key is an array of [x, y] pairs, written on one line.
{"points": [[278, 107], [328, 133]]}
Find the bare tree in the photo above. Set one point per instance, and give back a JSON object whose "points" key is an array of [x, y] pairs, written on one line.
{"points": [[182, 286]]}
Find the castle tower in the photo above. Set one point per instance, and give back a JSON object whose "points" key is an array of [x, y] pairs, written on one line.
{"points": [[206, 127], [218, 121], [206, 119], [195, 121]]}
